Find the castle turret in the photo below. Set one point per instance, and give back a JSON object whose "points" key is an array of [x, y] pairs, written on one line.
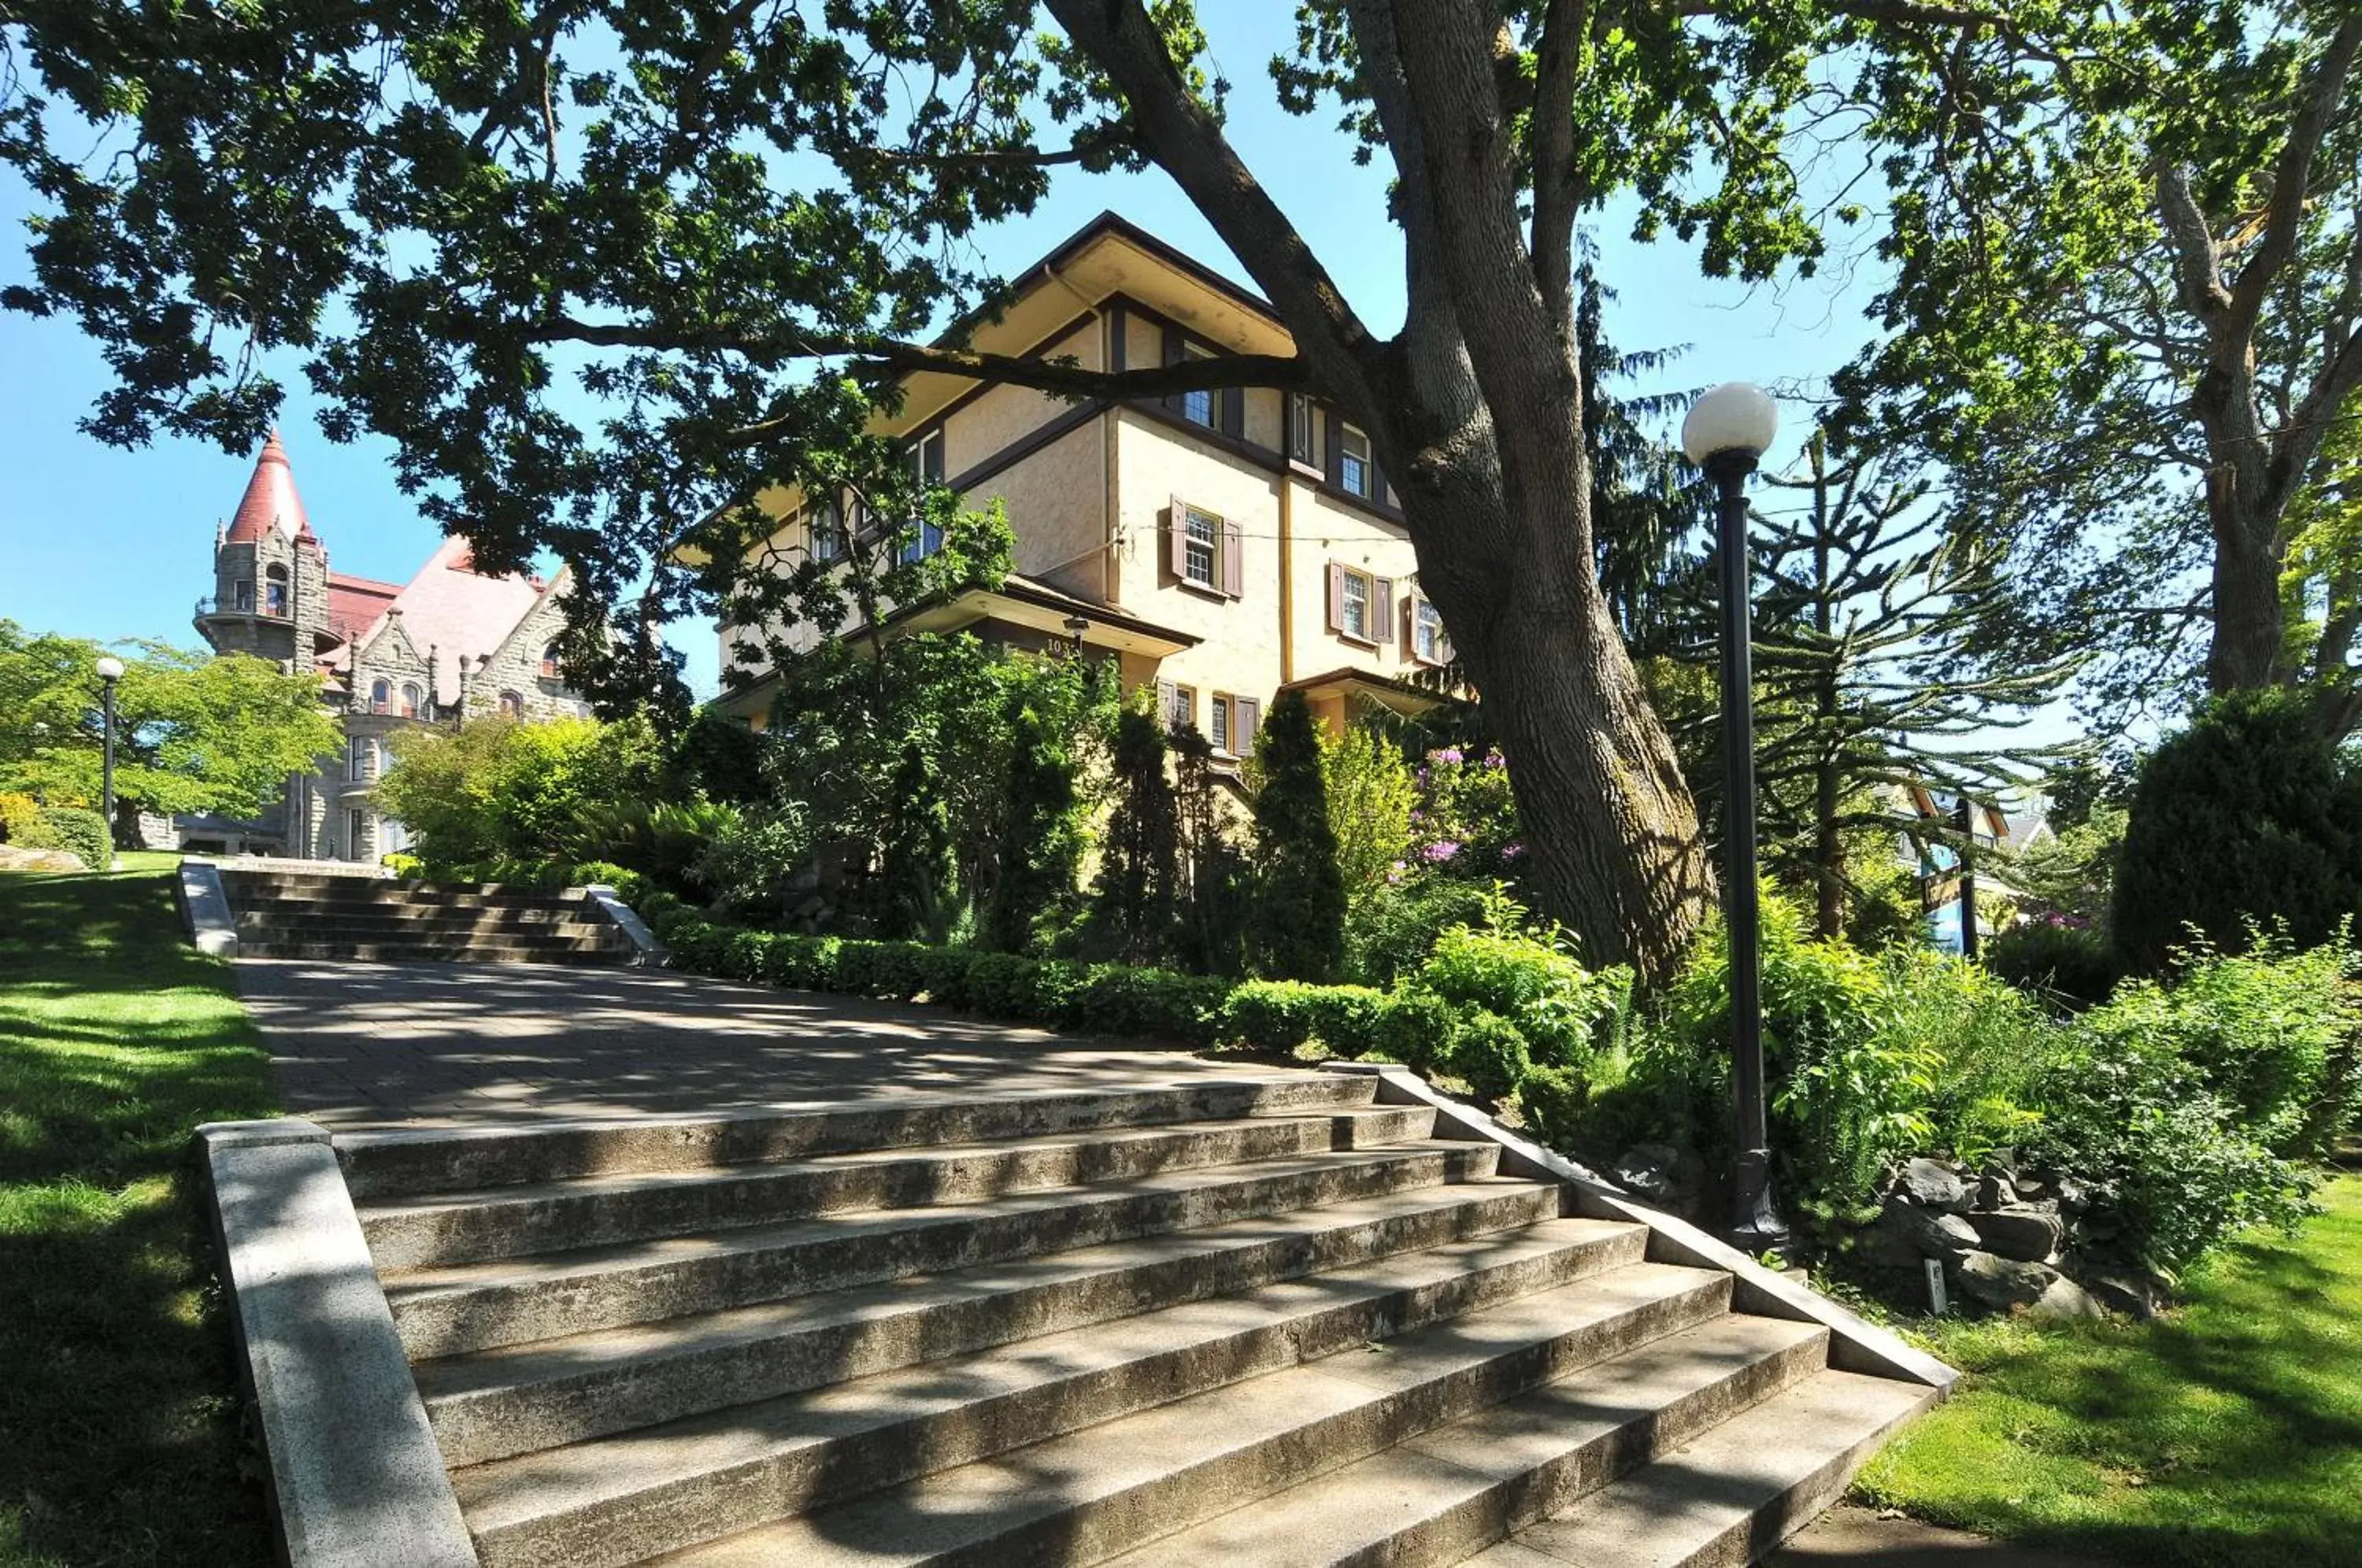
{"points": [[270, 572]]}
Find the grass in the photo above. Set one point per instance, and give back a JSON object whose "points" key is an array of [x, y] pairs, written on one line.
{"points": [[118, 1422], [2225, 1436]]}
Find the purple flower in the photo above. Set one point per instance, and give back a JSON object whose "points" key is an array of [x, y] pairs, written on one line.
{"points": [[1512, 850], [1437, 852], [1495, 759], [1422, 777], [1394, 872], [1417, 815], [1449, 753]]}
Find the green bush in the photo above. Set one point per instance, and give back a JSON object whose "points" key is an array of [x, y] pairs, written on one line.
{"points": [[1284, 1014], [1489, 1053], [77, 832], [1390, 930], [1563, 1011], [2072, 963], [1297, 924], [2247, 817], [405, 868]]}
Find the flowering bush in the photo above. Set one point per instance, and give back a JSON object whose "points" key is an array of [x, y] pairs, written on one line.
{"points": [[1465, 824]]}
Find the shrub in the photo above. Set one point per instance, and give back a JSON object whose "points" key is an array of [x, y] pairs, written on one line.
{"points": [[1296, 928], [1390, 931], [19, 814], [1489, 1053], [1284, 1014], [1371, 795], [406, 867], [2247, 816], [1135, 903], [2260, 1029], [77, 832], [1042, 834], [1562, 1009], [2055, 957], [630, 886], [1415, 1029]]}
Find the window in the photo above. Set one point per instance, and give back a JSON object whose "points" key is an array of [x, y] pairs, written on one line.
{"points": [[827, 532], [1360, 605], [1429, 644], [380, 696], [1299, 428], [1198, 407], [411, 698], [1353, 461], [1201, 547], [1218, 722], [927, 467], [275, 590], [549, 662], [361, 758], [242, 595], [1180, 705], [356, 834], [512, 705]]}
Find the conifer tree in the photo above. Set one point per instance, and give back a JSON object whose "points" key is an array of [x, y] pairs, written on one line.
{"points": [[1041, 833], [1134, 899], [1211, 933], [1297, 930]]}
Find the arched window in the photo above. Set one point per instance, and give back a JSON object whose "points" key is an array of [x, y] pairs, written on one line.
{"points": [[512, 705], [274, 591], [549, 662], [380, 696], [242, 595], [411, 696]]}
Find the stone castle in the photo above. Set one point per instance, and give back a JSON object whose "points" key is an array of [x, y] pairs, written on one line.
{"points": [[451, 643]]}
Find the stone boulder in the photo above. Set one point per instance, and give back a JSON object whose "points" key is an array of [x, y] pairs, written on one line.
{"points": [[16, 857], [2002, 1283], [2062, 1301], [1660, 1174], [1932, 1184], [2021, 1232], [1926, 1232], [2123, 1290]]}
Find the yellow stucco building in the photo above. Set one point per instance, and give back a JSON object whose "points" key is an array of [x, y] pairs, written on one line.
{"points": [[1226, 545]]}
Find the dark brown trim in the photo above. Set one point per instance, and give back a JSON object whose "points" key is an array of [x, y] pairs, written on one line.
{"points": [[978, 389], [1268, 460], [1025, 445]]}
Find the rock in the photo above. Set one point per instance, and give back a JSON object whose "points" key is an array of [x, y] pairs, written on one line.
{"points": [[15, 857], [1654, 1172], [1993, 1192], [2025, 1233], [2074, 1196], [1927, 1233], [1932, 1184], [2121, 1291], [2002, 1283], [2031, 1186], [2064, 1301]]}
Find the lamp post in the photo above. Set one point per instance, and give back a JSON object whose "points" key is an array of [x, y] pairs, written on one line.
{"points": [[110, 670], [1725, 434], [1075, 627]]}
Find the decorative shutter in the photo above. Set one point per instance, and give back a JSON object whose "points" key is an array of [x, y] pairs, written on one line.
{"points": [[1408, 626], [1377, 476], [1235, 559], [1382, 606], [1332, 439], [1246, 718], [1234, 410], [1177, 540], [1336, 597], [1174, 354], [1298, 413]]}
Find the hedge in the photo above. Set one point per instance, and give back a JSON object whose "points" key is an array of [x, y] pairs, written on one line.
{"points": [[1106, 998], [77, 832]]}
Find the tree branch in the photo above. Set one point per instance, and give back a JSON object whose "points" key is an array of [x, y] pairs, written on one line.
{"points": [[2197, 265], [1556, 191], [1062, 378], [2292, 178]]}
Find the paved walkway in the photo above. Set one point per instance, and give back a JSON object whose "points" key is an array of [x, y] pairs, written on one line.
{"points": [[429, 1044], [1847, 1537]]}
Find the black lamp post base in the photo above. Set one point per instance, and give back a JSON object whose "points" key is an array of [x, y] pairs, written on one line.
{"points": [[1756, 1227]]}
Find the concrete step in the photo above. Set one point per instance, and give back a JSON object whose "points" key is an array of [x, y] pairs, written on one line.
{"points": [[407, 1163], [520, 919], [524, 1397], [515, 1222], [600, 1504], [1732, 1494], [469, 1307], [554, 937], [243, 887], [1420, 1449], [426, 952]]}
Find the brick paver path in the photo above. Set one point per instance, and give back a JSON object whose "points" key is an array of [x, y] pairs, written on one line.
{"points": [[451, 1044]]}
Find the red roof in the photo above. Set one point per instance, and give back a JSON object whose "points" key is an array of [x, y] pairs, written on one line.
{"points": [[356, 602], [270, 500]]}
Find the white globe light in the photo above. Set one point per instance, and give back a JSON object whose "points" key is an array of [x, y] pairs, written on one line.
{"points": [[110, 668], [1733, 417]]}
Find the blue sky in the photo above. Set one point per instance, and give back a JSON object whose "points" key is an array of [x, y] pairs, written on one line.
{"points": [[106, 543]]}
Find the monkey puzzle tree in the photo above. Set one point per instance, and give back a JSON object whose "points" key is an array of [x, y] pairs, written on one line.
{"points": [[578, 258]]}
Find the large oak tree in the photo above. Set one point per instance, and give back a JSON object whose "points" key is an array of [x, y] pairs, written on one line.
{"points": [[473, 220]]}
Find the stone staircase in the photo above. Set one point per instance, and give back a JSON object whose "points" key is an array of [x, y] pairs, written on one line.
{"points": [[1257, 1322], [283, 914]]}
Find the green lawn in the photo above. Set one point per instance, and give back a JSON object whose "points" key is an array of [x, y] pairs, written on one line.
{"points": [[2230, 1434], [118, 1423]]}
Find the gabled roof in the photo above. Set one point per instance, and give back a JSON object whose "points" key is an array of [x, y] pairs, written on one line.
{"points": [[356, 602], [271, 501], [453, 610]]}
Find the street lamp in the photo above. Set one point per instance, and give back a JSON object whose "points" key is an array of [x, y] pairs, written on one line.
{"points": [[110, 670], [1075, 627], [1725, 433]]}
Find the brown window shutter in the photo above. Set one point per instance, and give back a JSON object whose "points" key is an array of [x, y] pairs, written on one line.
{"points": [[1246, 717], [1382, 606], [1377, 477], [1175, 352], [1333, 440], [1297, 411], [1407, 625], [1234, 410], [1336, 597], [1235, 559], [1177, 539]]}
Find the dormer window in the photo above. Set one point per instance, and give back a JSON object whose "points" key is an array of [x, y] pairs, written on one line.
{"points": [[1353, 462]]}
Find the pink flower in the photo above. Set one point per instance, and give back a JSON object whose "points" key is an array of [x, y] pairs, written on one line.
{"points": [[1449, 753], [1436, 854]]}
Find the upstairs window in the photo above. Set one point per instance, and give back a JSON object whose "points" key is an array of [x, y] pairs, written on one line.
{"points": [[549, 662], [380, 696], [1360, 605], [275, 590], [1198, 407], [361, 759], [1201, 547], [1300, 428], [411, 698], [1429, 644], [926, 535], [1208, 550], [1353, 462], [1178, 705], [827, 532], [242, 595]]}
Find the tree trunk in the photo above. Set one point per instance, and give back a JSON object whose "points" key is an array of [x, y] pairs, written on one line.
{"points": [[2249, 630], [1611, 835], [1828, 853]]}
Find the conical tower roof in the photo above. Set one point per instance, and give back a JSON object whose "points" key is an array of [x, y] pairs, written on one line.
{"points": [[271, 501]]}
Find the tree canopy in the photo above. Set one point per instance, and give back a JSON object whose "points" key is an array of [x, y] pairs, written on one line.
{"points": [[196, 733]]}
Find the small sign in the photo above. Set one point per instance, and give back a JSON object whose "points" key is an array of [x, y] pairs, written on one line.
{"points": [[1939, 1301]]}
